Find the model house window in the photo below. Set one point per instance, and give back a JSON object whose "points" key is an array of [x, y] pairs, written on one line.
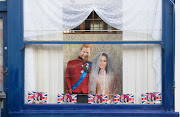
{"points": [[93, 24]]}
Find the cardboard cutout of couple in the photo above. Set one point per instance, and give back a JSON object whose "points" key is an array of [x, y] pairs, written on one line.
{"points": [[81, 82]]}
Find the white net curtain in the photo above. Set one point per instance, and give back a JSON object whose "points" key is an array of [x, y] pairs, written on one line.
{"points": [[62, 15], [47, 17]]}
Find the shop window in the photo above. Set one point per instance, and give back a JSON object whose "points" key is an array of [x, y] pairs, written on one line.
{"points": [[130, 46], [44, 40]]}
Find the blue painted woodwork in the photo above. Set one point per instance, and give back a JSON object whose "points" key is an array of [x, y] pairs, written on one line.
{"points": [[95, 113], [3, 6], [5, 63], [163, 55], [14, 80], [92, 42], [91, 107], [168, 36], [173, 2], [17, 108]]}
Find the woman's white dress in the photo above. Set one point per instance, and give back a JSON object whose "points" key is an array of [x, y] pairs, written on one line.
{"points": [[103, 83]]}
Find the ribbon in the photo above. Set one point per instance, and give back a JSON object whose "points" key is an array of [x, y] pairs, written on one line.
{"points": [[81, 78]]}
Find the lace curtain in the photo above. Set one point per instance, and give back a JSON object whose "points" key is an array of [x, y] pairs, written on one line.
{"points": [[48, 17], [60, 15]]}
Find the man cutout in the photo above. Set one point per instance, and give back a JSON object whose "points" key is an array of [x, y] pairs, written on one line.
{"points": [[77, 74]]}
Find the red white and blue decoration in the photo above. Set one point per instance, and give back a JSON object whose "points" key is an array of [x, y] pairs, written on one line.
{"points": [[151, 98], [97, 99], [67, 98], [37, 97], [124, 99]]}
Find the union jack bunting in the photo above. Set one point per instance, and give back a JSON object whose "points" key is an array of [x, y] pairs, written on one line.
{"points": [[37, 97], [151, 98], [97, 99], [67, 98], [124, 99]]}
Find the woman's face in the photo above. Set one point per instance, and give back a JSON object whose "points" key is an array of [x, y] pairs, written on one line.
{"points": [[125, 100], [153, 98], [103, 62], [69, 100], [39, 98], [99, 100]]}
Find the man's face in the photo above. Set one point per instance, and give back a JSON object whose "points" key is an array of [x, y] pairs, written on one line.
{"points": [[84, 53]]}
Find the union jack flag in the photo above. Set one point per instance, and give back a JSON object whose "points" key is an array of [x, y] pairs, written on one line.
{"points": [[120, 99], [97, 99], [33, 100], [154, 98], [67, 98]]}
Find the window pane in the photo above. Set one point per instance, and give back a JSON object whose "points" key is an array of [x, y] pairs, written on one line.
{"points": [[142, 72], [116, 70], [98, 25], [89, 25], [96, 16], [90, 16], [1, 54], [135, 70]]}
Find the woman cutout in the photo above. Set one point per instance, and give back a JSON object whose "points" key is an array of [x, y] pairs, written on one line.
{"points": [[103, 78]]}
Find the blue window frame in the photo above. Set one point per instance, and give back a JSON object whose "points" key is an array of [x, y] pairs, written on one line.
{"points": [[3, 15], [15, 102]]}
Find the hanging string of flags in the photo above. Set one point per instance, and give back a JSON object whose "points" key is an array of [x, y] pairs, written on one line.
{"points": [[146, 98]]}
